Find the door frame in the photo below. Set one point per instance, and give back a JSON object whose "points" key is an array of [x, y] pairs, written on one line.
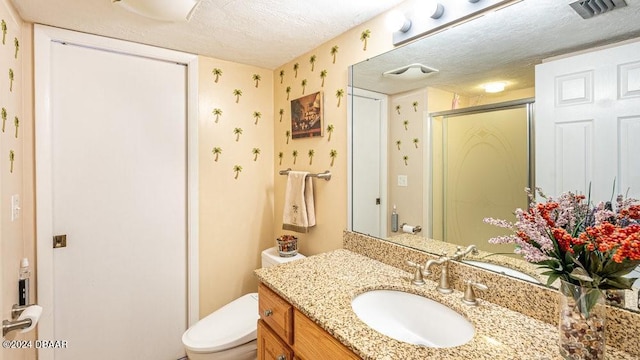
{"points": [[43, 36], [384, 125]]}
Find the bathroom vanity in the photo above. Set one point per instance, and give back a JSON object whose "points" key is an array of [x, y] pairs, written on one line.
{"points": [[305, 309], [284, 333]]}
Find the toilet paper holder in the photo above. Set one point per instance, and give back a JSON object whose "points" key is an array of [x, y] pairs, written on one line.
{"points": [[14, 324]]}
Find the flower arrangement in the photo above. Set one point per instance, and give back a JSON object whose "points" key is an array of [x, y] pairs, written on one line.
{"points": [[582, 244]]}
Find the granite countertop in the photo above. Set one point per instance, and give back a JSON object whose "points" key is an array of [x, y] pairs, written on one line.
{"points": [[322, 287]]}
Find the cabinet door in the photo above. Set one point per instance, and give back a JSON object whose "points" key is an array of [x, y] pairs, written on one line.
{"points": [[276, 312], [312, 342], [270, 347]]}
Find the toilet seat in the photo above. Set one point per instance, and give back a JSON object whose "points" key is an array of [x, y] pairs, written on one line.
{"points": [[232, 325]]}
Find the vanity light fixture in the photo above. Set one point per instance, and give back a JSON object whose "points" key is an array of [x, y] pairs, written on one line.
{"points": [[430, 16], [410, 72], [396, 21], [164, 10], [494, 87]]}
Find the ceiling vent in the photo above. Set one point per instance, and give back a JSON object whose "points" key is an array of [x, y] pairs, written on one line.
{"points": [[590, 8], [410, 72]]}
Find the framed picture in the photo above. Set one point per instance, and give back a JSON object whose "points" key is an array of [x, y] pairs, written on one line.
{"points": [[306, 116]]}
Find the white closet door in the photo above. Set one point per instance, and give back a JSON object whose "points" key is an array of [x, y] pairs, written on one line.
{"points": [[588, 123], [119, 195]]}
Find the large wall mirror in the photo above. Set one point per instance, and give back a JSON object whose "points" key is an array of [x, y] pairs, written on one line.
{"points": [[432, 144]]}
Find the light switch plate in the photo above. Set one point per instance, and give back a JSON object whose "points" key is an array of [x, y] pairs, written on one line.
{"points": [[15, 207], [403, 180]]}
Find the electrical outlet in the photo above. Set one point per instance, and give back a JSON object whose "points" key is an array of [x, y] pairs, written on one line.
{"points": [[403, 180], [15, 207]]}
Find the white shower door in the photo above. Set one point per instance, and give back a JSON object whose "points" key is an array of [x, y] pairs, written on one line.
{"points": [[118, 177]]}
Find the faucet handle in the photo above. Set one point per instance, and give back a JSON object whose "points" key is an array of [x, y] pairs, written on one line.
{"points": [[469, 293], [417, 275]]}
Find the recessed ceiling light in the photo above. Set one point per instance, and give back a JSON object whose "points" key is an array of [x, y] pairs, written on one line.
{"points": [[494, 87]]}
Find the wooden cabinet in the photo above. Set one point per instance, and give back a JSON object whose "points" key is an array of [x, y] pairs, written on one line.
{"points": [[284, 333], [270, 346]]}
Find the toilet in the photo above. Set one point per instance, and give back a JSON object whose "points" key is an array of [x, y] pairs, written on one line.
{"points": [[230, 332]]}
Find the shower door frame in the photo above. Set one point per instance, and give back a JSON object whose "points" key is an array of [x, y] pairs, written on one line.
{"points": [[527, 103]]}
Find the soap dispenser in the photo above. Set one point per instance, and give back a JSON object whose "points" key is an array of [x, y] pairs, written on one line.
{"points": [[23, 283], [394, 219]]}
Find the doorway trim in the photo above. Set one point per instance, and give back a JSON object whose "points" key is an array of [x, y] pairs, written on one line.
{"points": [[43, 36]]}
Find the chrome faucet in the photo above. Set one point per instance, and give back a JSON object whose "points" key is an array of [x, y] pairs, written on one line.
{"points": [[443, 285]]}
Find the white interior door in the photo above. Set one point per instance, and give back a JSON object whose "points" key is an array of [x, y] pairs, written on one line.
{"points": [[588, 123], [368, 159], [117, 173]]}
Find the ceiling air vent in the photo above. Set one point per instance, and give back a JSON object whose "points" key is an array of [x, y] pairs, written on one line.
{"points": [[410, 72], [590, 8]]}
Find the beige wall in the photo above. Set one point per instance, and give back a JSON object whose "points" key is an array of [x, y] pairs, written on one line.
{"points": [[236, 215], [331, 196], [16, 237]]}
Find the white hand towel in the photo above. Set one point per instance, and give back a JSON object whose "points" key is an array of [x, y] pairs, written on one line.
{"points": [[299, 212]]}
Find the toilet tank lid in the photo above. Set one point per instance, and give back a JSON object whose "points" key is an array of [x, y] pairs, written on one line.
{"points": [[232, 325]]}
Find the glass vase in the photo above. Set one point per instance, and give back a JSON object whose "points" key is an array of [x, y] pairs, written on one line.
{"points": [[582, 322]]}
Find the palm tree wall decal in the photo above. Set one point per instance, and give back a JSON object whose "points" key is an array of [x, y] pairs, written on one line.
{"points": [[406, 124], [323, 75], [255, 152], [12, 157], [16, 43], [281, 76], [16, 122], [4, 118], [334, 52], [295, 156], [330, 129], [312, 61], [339, 95], [4, 31], [256, 78], [295, 69], [311, 153], [333, 154], [237, 169], [281, 112], [364, 37], [237, 132], [415, 106], [398, 107], [257, 115], [288, 135], [398, 143], [216, 73], [216, 152], [415, 142], [406, 160], [280, 157], [304, 85], [237, 93], [10, 79], [217, 113], [288, 91]]}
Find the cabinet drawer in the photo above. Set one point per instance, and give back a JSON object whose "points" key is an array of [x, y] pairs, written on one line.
{"points": [[313, 342], [276, 312], [270, 347]]}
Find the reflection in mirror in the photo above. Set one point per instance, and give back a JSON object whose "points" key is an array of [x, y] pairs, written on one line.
{"points": [[446, 153]]}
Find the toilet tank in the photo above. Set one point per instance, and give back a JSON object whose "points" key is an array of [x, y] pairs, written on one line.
{"points": [[271, 257]]}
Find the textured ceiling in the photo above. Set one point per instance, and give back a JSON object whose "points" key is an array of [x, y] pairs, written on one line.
{"points": [[265, 33], [504, 46]]}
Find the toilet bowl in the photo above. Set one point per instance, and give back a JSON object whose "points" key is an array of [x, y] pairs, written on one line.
{"points": [[230, 332]]}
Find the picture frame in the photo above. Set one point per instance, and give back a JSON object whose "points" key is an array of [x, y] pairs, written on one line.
{"points": [[307, 117]]}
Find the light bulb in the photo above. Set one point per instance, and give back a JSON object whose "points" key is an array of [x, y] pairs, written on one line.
{"points": [[494, 87], [396, 21], [431, 8]]}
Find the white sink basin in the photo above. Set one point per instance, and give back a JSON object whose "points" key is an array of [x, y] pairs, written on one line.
{"points": [[412, 318], [502, 270]]}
